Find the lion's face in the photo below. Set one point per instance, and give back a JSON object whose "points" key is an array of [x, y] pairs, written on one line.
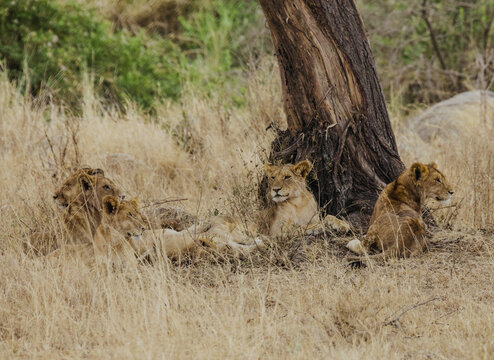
{"points": [[85, 185], [124, 217], [287, 181], [432, 181]]}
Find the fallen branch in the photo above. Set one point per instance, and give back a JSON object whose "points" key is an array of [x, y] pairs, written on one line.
{"points": [[395, 321], [160, 202]]}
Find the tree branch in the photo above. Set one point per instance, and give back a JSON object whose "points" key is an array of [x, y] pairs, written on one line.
{"points": [[432, 35]]}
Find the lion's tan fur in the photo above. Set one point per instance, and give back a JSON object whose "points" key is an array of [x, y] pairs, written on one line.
{"points": [[223, 233], [292, 205], [120, 231], [80, 198], [117, 238], [396, 227]]}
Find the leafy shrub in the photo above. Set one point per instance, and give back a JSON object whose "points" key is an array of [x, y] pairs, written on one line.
{"points": [[219, 40], [56, 43], [433, 49]]}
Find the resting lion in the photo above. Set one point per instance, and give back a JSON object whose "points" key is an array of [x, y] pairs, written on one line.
{"points": [[292, 205], [80, 199], [396, 226], [121, 227], [223, 234]]}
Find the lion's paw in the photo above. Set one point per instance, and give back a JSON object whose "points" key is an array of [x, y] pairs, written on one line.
{"points": [[314, 230], [337, 225], [355, 246]]}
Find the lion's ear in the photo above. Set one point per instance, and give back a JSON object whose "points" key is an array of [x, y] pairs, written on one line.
{"points": [[87, 181], [432, 165], [92, 171], [110, 204], [268, 169], [302, 169], [418, 171]]}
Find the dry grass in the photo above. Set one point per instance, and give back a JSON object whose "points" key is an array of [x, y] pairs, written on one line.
{"points": [[436, 306]]}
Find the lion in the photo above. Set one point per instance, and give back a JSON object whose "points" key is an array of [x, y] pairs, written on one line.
{"points": [[292, 205], [120, 229], [80, 199], [396, 226], [223, 234]]}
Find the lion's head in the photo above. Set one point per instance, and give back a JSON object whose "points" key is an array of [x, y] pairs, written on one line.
{"points": [[123, 217], [287, 181], [85, 186], [432, 182]]}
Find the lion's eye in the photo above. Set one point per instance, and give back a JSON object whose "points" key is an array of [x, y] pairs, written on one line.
{"points": [[439, 181], [107, 187], [287, 177]]}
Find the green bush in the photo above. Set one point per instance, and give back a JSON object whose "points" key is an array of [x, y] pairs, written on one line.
{"points": [[55, 44], [402, 33], [218, 40]]}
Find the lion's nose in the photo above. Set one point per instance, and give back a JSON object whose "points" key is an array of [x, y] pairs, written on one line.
{"points": [[55, 196], [276, 189], [451, 192]]}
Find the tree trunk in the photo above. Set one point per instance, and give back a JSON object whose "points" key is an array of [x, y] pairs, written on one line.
{"points": [[334, 105]]}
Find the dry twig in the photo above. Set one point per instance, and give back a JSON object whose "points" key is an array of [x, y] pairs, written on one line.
{"points": [[395, 320]]}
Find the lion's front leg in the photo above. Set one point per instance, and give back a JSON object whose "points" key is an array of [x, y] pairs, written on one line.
{"points": [[336, 225], [329, 224], [361, 247], [356, 247], [313, 229]]}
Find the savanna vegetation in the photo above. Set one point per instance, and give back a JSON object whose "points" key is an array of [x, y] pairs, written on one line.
{"points": [[177, 100]]}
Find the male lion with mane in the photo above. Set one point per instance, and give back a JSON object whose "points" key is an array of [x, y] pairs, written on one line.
{"points": [[396, 226]]}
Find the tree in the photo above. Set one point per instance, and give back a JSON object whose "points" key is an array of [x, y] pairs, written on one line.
{"points": [[334, 104]]}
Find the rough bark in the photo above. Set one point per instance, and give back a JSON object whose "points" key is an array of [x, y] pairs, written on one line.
{"points": [[334, 105]]}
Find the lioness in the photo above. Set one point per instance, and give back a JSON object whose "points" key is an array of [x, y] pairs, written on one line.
{"points": [[293, 205], [396, 226], [80, 199], [222, 234], [121, 227]]}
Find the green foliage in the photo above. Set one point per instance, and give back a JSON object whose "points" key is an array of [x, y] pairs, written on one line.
{"points": [[216, 42], [402, 34], [55, 44], [48, 46]]}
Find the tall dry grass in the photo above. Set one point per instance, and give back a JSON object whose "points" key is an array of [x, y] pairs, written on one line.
{"points": [[436, 306]]}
